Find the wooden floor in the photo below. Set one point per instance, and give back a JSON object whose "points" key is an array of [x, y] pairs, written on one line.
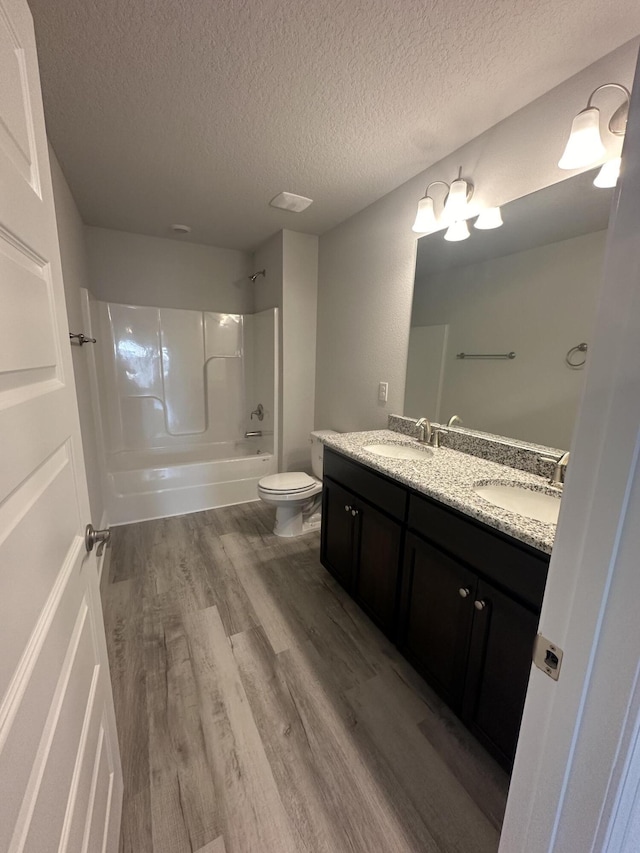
{"points": [[259, 709]]}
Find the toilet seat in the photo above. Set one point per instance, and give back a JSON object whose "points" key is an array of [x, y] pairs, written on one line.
{"points": [[296, 496], [292, 483]]}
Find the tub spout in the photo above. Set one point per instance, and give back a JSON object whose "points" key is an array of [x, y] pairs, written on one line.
{"points": [[253, 433]]}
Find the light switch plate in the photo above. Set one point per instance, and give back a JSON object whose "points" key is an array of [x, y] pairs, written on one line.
{"points": [[383, 391]]}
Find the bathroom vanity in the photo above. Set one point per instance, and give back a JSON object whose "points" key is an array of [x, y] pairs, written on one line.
{"points": [[455, 583]]}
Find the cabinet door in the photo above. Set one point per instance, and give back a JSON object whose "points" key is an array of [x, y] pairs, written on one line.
{"points": [[378, 540], [436, 614], [337, 544], [502, 640]]}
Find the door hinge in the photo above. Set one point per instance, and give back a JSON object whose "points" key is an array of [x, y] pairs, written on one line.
{"points": [[547, 657]]}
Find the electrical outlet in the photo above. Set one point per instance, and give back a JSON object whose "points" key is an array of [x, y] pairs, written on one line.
{"points": [[383, 392]]}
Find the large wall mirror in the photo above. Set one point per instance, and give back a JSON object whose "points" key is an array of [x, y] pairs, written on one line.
{"points": [[529, 288]]}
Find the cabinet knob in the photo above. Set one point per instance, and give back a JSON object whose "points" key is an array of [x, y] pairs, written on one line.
{"points": [[354, 512], [480, 605], [463, 592], [347, 508]]}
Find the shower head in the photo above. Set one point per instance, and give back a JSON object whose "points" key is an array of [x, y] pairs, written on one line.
{"points": [[253, 277]]}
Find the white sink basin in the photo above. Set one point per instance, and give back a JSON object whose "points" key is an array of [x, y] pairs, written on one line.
{"points": [[532, 504], [400, 451]]}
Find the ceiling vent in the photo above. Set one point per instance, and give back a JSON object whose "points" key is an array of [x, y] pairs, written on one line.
{"points": [[291, 201]]}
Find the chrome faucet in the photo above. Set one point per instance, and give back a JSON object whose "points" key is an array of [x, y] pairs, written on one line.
{"points": [[259, 411], [436, 432], [424, 426], [560, 471], [454, 419]]}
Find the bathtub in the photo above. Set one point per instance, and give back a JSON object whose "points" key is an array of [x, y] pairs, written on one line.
{"points": [[158, 482]]}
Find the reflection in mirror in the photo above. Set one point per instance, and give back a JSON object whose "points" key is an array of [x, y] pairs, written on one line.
{"points": [[528, 288]]}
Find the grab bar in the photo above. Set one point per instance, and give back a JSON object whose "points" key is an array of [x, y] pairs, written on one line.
{"points": [[253, 433], [487, 355]]}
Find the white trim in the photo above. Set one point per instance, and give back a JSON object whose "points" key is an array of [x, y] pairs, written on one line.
{"points": [[276, 388], [574, 780], [92, 790], [24, 669], [80, 757], [23, 822], [623, 799]]}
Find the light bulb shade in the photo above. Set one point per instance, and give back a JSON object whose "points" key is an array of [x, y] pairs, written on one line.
{"points": [[584, 145], [608, 174], [457, 231], [425, 217], [489, 218], [455, 207]]}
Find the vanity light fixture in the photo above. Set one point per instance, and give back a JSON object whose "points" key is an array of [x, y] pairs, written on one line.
{"points": [[426, 219], [455, 205], [457, 231], [584, 145], [608, 174], [459, 193], [489, 218]]}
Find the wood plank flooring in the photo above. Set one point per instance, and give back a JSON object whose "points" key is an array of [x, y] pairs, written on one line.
{"points": [[260, 711]]}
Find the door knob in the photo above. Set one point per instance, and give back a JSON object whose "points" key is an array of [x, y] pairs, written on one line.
{"points": [[347, 508], [480, 605], [91, 536], [354, 512], [463, 592]]}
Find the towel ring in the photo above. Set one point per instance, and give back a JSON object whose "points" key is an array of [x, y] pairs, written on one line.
{"points": [[570, 356]]}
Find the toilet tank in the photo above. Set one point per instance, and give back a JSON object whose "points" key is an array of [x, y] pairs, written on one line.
{"points": [[317, 450]]}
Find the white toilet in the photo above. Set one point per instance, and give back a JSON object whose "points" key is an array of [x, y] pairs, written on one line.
{"points": [[296, 496]]}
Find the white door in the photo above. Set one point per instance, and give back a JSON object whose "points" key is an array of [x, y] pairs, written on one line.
{"points": [[576, 780], [60, 776]]}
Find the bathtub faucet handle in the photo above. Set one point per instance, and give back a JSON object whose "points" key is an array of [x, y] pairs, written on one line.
{"points": [[258, 411]]}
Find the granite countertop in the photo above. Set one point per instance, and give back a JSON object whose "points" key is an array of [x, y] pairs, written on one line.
{"points": [[450, 476]]}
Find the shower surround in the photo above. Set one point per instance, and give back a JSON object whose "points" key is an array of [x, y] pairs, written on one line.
{"points": [[176, 392]]}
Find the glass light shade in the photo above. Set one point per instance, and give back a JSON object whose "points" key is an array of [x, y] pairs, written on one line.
{"points": [[425, 217], [584, 145], [455, 207], [608, 174], [457, 231], [489, 218]]}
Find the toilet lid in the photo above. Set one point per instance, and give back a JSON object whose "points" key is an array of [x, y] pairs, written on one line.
{"points": [[294, 481]]}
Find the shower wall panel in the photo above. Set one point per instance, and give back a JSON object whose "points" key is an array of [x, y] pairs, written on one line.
{"points": [[182, 353], [172, 377]]}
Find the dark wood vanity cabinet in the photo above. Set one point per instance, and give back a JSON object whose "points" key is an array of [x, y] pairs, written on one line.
{"points": [[436, 615], [471, 641], [502, 637], [363, 515], [337, 550], [361, 547], [461, 600]]}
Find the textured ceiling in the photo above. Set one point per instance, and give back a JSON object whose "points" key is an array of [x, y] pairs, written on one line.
{"points": [[201, 111]]}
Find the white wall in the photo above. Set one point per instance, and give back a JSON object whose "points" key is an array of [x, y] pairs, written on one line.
{"points": [[299, 309], [267, 290], [260, 341], [75, 276], [366, 264], [138, 270], [267, 293], [539, 303], [291, 284]]}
